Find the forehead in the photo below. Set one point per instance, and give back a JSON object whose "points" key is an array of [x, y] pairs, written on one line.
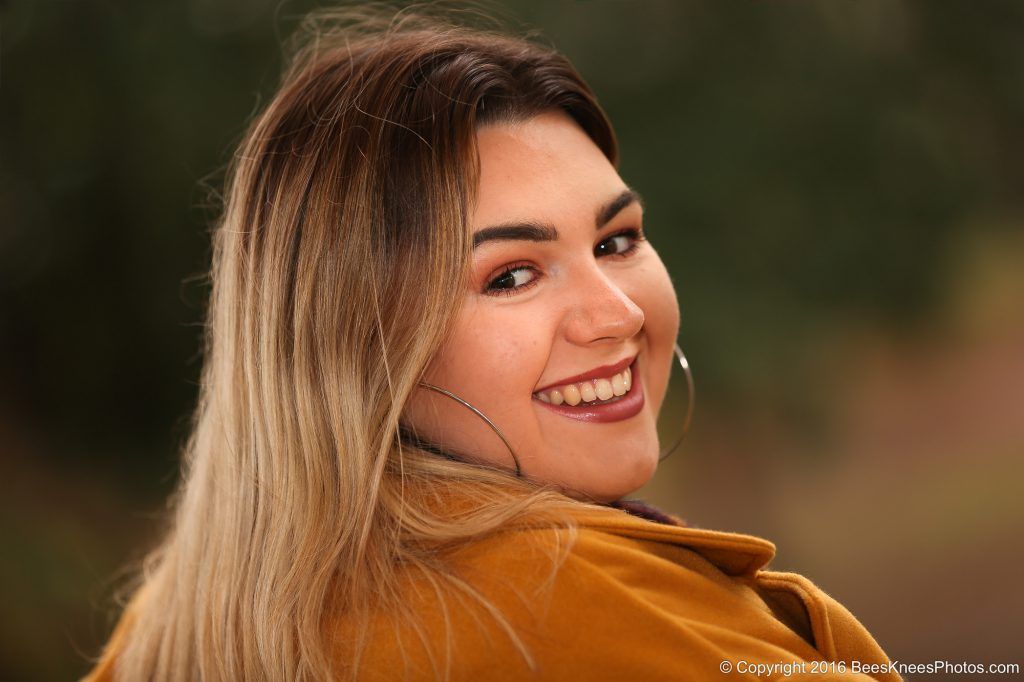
{"points": [[545, 166]]}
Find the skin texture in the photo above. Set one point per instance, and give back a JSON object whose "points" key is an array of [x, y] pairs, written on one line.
{"points": [[576, 307]]}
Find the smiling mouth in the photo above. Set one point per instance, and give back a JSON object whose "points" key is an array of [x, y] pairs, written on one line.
{"points": [[626, 397], [600, 391]]}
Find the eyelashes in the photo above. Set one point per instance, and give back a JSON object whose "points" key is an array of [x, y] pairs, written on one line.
{"points": [[508, 275], [509, 281]]}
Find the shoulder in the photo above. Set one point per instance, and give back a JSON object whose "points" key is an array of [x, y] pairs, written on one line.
{"points": [[588, 604]]}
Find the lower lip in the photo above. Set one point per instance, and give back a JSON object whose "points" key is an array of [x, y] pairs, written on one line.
{"points": [[625, 407]]}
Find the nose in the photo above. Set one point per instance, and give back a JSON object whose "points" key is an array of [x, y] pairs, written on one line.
{"points": [[600, 310]]}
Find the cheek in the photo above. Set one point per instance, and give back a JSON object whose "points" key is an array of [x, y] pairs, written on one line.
{"points": [[493, 353], [657, 297], [493, 360], [663, 303]]}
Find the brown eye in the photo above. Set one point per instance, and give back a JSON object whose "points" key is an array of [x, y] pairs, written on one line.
{"points": [[512, 280], [621, 244]]}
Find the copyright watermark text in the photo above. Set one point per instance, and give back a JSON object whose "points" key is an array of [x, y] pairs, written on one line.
{"points": [[786, 669]]}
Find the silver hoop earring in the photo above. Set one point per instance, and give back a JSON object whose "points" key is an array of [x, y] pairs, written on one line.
{"points": [[519, 473], [690, 392], [442, 391], [684, 363]]}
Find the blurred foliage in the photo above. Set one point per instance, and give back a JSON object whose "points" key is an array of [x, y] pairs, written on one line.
{"points": [[806, 166]]}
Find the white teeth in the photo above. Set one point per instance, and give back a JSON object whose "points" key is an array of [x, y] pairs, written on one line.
{"points": [[590, 391], [587, 392]]}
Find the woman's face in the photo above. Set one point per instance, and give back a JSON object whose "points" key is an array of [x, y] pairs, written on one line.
{"points": [[567, 308]]}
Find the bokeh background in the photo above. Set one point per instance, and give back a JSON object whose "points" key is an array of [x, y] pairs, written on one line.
{"points": [[836, 188]]}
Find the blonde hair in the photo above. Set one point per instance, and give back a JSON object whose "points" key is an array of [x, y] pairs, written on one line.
{"points": [[338, 259]]}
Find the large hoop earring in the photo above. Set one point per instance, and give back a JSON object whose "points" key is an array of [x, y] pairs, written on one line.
{"points": [[685, 364], [445, 392]]}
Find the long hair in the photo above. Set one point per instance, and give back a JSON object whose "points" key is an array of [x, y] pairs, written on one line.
{"points": [[340, 254]]}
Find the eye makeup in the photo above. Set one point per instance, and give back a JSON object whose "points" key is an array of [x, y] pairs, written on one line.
{"points": [[508, 282]]}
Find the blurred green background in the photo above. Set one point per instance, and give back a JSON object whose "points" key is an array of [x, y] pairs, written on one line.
{"points": [[835, 186]]}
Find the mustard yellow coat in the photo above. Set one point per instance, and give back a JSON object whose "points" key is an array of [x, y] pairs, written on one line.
{"points": [[635, 599]]}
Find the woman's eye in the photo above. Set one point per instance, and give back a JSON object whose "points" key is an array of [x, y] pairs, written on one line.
{"points": [[620, 244], [512, 280], [519, 277]]}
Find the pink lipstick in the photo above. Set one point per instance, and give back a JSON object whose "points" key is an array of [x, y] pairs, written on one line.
{"points": [[615, 409]]}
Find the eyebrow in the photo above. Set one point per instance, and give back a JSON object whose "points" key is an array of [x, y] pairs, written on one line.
{"points": [[543, 232]]}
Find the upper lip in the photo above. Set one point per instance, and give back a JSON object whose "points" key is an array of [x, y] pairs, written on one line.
{"points": [[596, 373]]}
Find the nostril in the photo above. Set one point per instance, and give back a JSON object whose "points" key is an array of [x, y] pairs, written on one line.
{"points": [[610, 317]]}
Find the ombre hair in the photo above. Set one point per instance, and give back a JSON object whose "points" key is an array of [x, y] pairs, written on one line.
{"points": [[339, 259]]}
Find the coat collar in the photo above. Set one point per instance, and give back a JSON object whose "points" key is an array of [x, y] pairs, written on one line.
{"points": [[735, 554]]}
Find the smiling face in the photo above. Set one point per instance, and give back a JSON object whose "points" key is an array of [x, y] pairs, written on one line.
{"points": [[565, 336]]}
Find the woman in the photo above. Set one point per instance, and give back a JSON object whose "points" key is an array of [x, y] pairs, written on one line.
{"points": [[437, 345]]}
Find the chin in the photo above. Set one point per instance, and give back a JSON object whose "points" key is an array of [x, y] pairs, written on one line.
{"points": [[631, 477]]}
